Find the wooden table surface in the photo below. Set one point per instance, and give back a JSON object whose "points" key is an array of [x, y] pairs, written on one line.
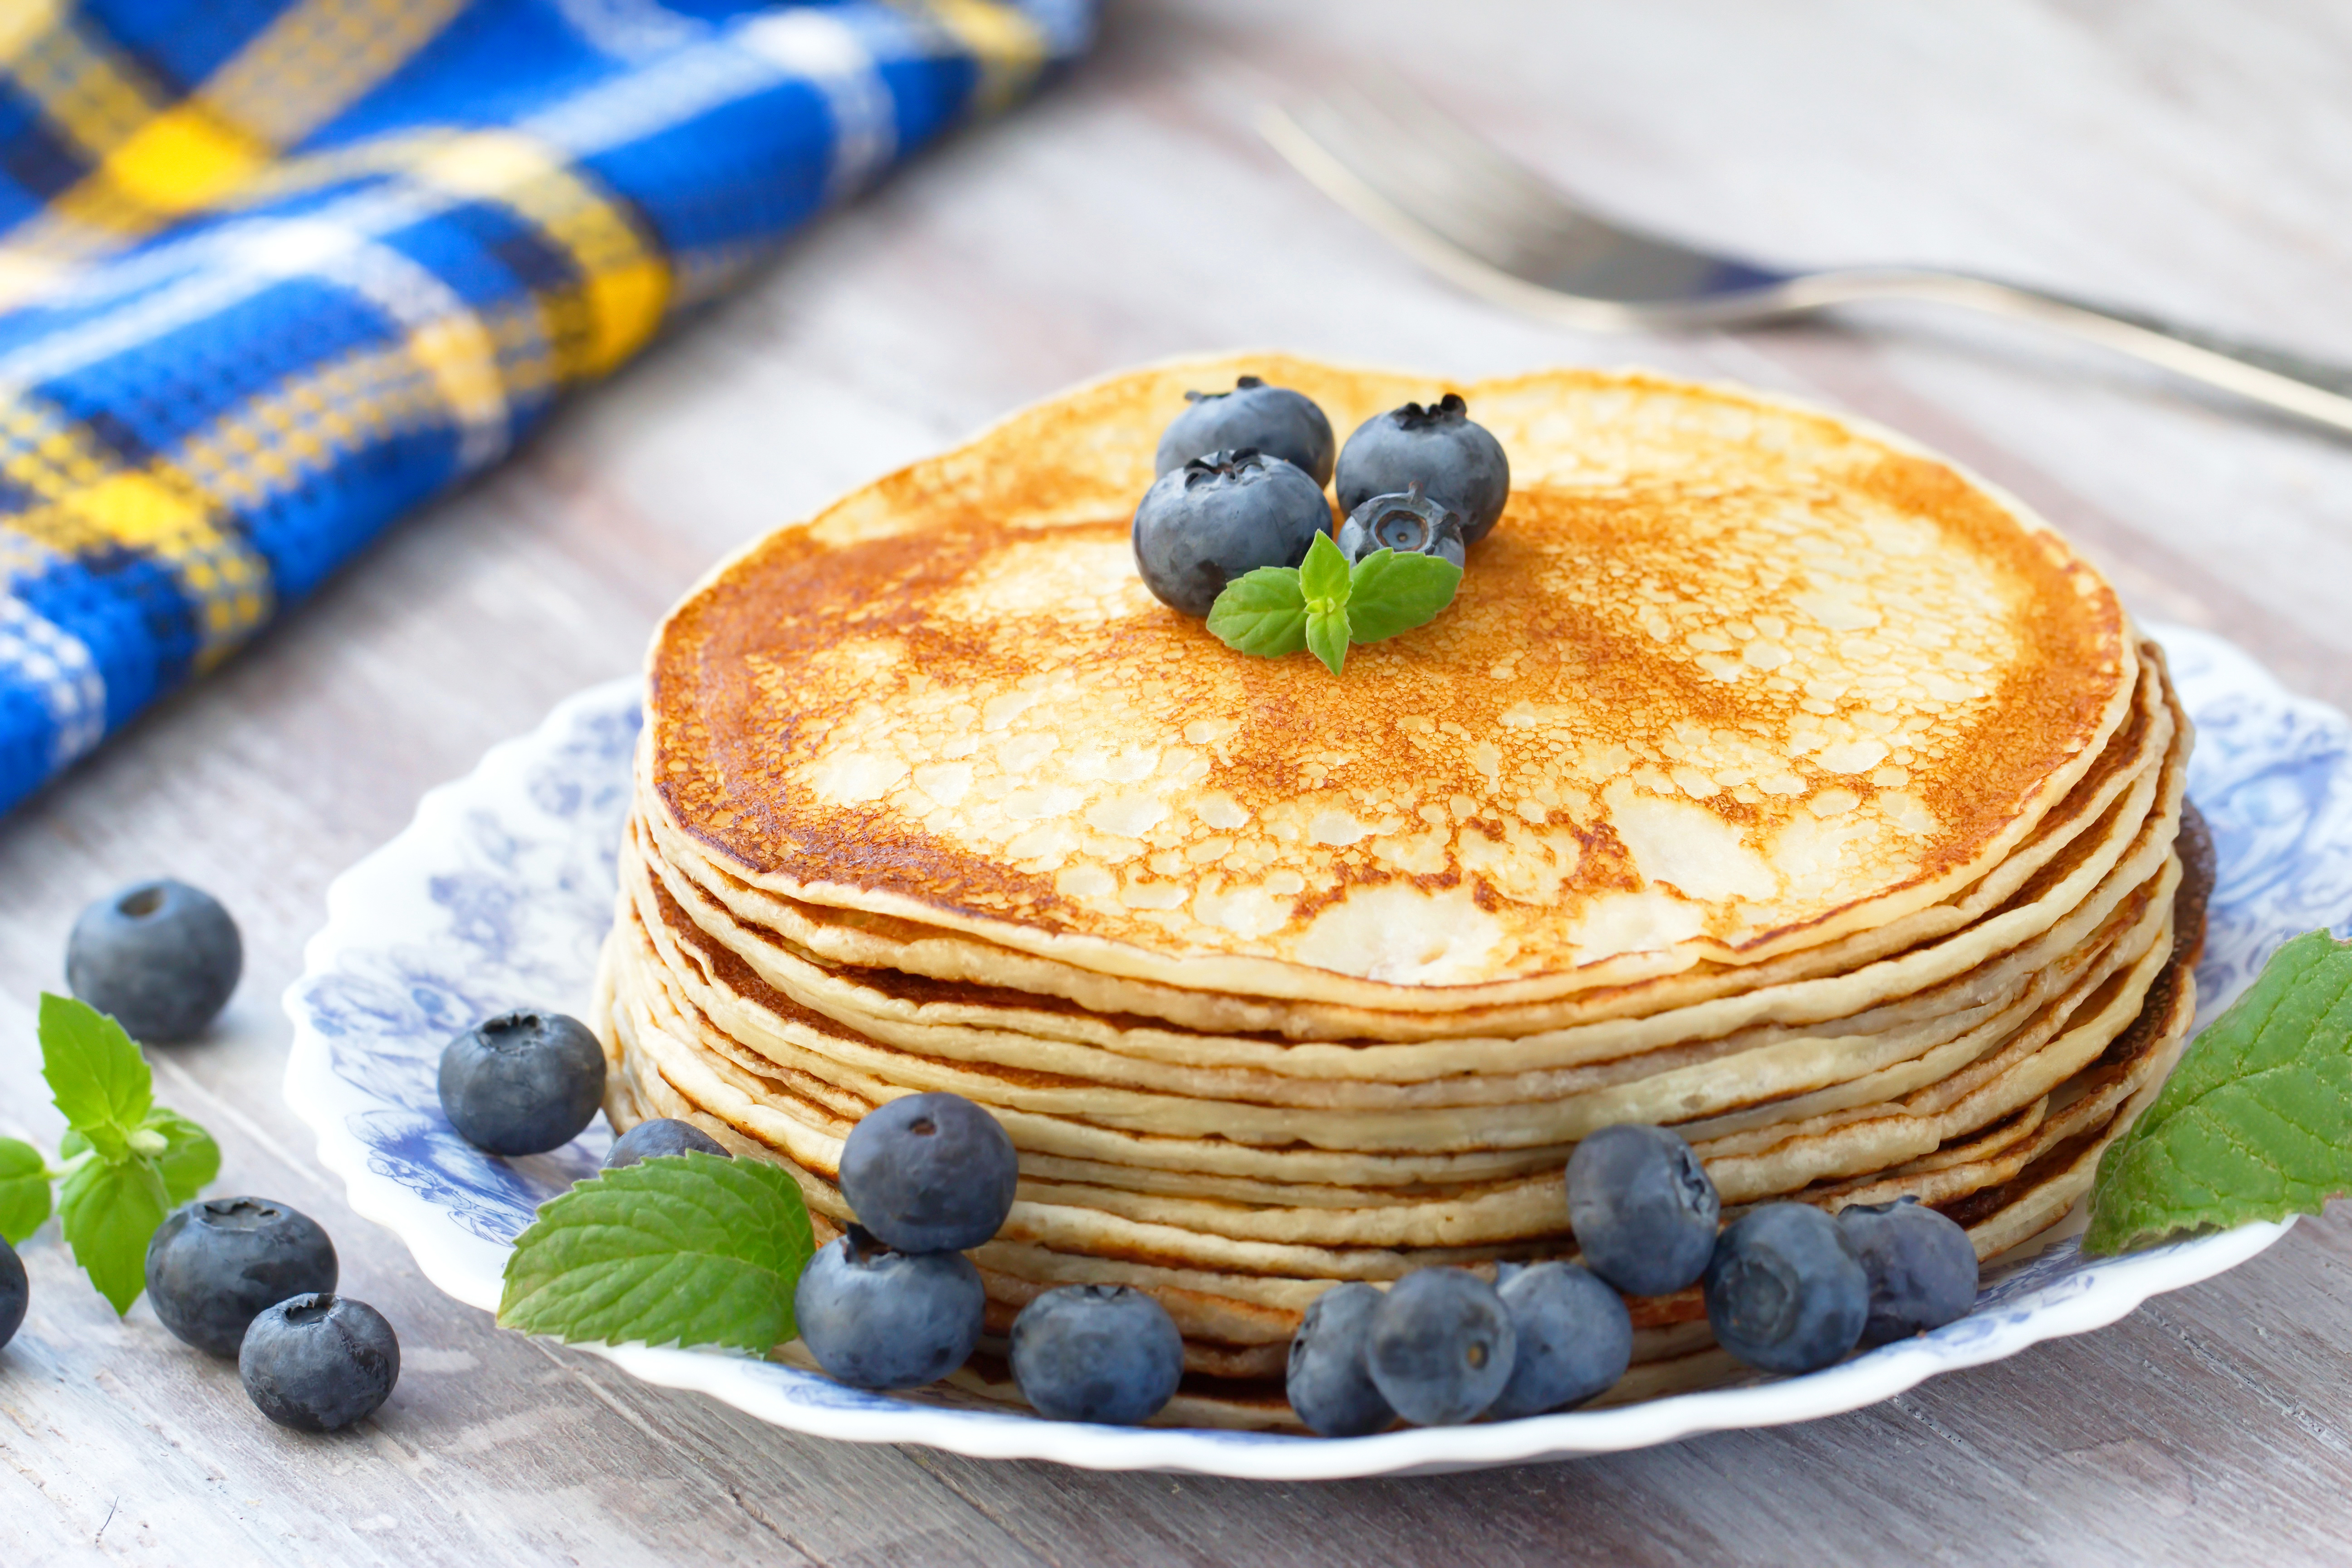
{"points": [[2192, 158]]}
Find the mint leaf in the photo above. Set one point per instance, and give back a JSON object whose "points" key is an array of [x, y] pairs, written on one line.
{"points": [[110, 1212], [2255, 1123], [1389, 593], [1324, 573], [190, 1159], [688, 1249], [1327, 637], [1261, 612], [97, 1076], [1323, 604], [24, 1189]]}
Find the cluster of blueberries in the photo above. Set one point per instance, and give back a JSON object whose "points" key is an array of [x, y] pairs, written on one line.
{"points": [[893, 1303], [1789, 1288], [1241, 478], [254, 1278], [246, 1277]]}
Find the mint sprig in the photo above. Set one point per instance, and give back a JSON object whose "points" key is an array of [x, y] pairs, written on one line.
{"points": [[2256, 1122], [127, 1162], [1323, 605], [684, 1249]]}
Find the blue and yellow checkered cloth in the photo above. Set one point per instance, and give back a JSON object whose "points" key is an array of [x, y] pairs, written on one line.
{"points": [[274, 271]]}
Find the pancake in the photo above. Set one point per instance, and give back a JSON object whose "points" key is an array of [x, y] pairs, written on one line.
{"points": [[910, 955], [1731, 680], [1770, 780], [1536, 1067], [868, 980]]}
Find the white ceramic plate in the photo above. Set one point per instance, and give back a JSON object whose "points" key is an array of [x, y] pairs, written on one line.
{"points": [[500, 890]]}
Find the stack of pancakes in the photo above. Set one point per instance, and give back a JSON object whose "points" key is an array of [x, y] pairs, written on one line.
{"points": [[1768, 779]]}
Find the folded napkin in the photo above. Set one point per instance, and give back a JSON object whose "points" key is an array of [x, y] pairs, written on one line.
{"points": [[274, 271]]}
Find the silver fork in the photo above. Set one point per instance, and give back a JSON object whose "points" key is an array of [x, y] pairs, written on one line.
{"points": [[1468, 212]]}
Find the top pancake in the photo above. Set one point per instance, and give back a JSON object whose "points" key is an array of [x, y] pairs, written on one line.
{"points": [[1730, 679]]}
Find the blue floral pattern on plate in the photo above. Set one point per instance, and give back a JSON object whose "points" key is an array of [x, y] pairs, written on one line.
{"points": [[501, 890]]}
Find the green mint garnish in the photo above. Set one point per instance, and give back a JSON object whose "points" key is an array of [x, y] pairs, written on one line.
{"points": [[1323, 605], [25, 1180], [189, 1159], [96, 1074], [2256, 1122], [127, 1161], [1262, 613], [184, 1154], [685, 1250], [110, 1212], [1392, 593]]}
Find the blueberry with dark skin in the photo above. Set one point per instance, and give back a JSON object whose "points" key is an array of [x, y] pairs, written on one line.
{"points": [[1406, 523], [1459, 463], [1642, 1209], [651, 1140], [1096, 1353], [318, 1362], [1575, 1339], [215, 1265], [161, 956], [930, 1172], [875, 1317], [1920, 1264], [1784, 1291], [16, 1291], [523, 1082], [1222, 517], [1272, 419], [1329, 1381], [1442, 1346]]}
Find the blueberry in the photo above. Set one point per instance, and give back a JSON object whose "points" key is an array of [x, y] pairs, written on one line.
{"points": [[1442, 1346], [1642, 1207], [651, 1140], [878, 1319], [523, 1082], [317, 1361], [1274, 419], [1405, 524], [161, 956], [1219, 517], [1329, 1384], [1575, 1339], [1921, 1267], [215, 1265], [1096, 1353], [1783, 1292], [15, 1289], [1458, 463], [930, 1172]]}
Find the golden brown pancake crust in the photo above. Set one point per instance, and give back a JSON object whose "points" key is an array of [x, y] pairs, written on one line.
{"points": [[1487, 770]]}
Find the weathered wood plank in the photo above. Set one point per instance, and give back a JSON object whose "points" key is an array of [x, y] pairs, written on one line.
{"points": [[2185, 157]]}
